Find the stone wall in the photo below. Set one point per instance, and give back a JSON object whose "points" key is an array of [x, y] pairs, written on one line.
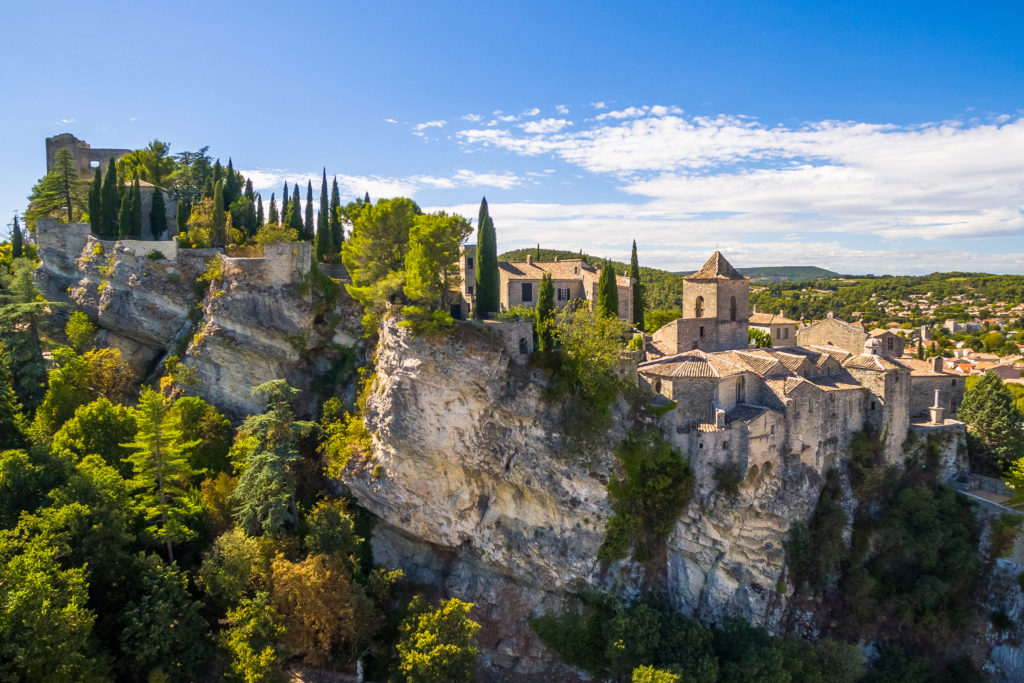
{"points": [[82, 154], [922, 394], [832, 332], [283, 263]]}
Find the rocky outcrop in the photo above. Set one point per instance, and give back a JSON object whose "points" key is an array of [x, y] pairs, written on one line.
{"points": [[259, 319]]}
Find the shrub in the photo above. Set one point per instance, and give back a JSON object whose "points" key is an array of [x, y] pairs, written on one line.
{"points": [[728, 478], [425, 322], [518, 313], [154, 255], [816, 548]]}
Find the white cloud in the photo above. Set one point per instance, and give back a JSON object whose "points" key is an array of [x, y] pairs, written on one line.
{"points": [[598, 105], [473, 118], [531, 112], [390, 121], [508, 118], [66, 121], [272, 180], [131, 118], [561, 109], [545, 125], [429, 124]]}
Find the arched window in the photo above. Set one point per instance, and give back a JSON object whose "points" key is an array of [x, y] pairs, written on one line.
{"points": [[523, 347], [732, 309], [741, 390], [698, 307], [657, 386]]}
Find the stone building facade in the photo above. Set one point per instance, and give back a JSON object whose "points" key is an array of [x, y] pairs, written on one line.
{"points": [[779, 328], [85, 157], [849, 337]]}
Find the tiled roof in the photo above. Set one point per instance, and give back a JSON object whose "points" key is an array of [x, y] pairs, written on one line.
{"points": [[691, 364], [771, 319], [716, 268], [759, 361], [877, 332], [831, 351], [920, 368], [869, 362], [742, 412], [574, 269]]}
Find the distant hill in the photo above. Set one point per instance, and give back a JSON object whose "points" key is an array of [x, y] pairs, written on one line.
{"points": [[787, 273]]}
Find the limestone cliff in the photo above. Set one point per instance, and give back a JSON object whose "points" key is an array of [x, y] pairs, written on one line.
{"points": [[259, 319]]}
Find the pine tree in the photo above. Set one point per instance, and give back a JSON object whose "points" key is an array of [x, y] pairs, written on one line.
{"points": [[272, 217], [17, 241], [308, 224], [136, 198], [324, 247], [295, 212], [487, 282], [12, 420], [158, 215], [218, 172], [161, 470], [546, 313], [124, 218], [232, 185], [638, 290], [218, 234], [110, 203], [337, 234], [259, 211], [96, 204], [608, 291]]}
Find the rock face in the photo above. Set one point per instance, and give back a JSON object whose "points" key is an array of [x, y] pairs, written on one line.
{"points": [[259, 320]]}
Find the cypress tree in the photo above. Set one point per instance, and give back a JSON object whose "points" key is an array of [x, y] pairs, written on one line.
{"points": [[259, 211], [96, 204], [157, 215], [232, 185], [295, 212], [124, 218], [284, 205], [638, 290], [546, 313], [337, 234], [136, 198], [487, 282], [182, 213], [324, 247], [218, 173], [110, 203], [218, 235], [272, 217], [366, 199], [309, 210], [17, 245], [608, 291]]}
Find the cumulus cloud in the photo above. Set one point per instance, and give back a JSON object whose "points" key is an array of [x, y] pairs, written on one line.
{"points": [[545, 125], [561, 109], [531, 112], [390, 121], [598, 105], [66, 121], [473, 118], [272, 180]]}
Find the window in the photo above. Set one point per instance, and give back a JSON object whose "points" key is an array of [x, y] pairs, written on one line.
{"points": [[741, 390], [94, 164], [563, 294], [732, 309], [469, 263], [702, 330], [470, 289], [952, 382], [527, 292], [523, 347], [698, 307], [657, 386], [725, 445], [888, 343]]}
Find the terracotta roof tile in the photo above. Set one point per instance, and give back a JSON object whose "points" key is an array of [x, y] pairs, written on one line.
{"points": [[771, 319], [716, 268]]}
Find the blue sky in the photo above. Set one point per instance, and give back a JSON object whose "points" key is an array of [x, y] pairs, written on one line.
{"points": [[863, 137]]}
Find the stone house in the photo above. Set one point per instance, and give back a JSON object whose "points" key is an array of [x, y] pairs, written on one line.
{"points": [[519, 283], [849, 337], [781, 329]]}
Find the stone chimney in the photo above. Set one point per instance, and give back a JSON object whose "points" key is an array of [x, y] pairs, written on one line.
{"points": [[782, 313], [529, 259], [937, 411], [831, 315], [719, 417], [755, 308], [937, 364], [556, 259]]}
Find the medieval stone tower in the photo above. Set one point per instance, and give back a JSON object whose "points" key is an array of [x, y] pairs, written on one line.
{"points": [[718, 294]]}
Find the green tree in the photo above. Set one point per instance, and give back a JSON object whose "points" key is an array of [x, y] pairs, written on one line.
{"points": [[324, 246], [12, 420], [125, 217], [20, 317], [152, 163], [210, 433], [59, 193], [308, 223], [545, 314], [758, 338], [259, 212], [337, 235], [163, 634], [438, 645], [98, 428], [252, 637], [993, 422], [265, 496], [81, 332], [96, 204], [219, 234], [487, 281], [331, 529], [285, 217], [161, 472], [110, 203], [158, 215], [638, 290], [608, 291], [375, 252], [136, 198], [17, 241], [294, 213], [272, 217], [431, 263], [232, 184], [181, 215], [649, 674]]}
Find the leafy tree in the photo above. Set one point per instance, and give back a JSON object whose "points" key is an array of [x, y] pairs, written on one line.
{"points": [[162, 472], [96, 204], [152, 163], [60, 193], [331, 529], [758, 338], [638, 290], [337, 235], [487, 281], [545, 313], [81, 332], [12, 421], [158, 215], [431, 263], [993, 422], [608, 291], [438, 645], [648, 674], [308, 224], [100, 428], [22, 486], [375, 252], [234, 567], [218, 233], [324, 245], [252, 637], [190, 177], [210, 432], [657, 319], [266, 486], [272, 217], [20, 317], [163, 634], [17, 241], [110, 203], [323, 610]]}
